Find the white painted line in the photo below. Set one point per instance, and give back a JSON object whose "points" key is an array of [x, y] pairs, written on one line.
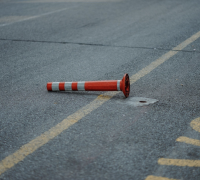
{"points": [[34, 17]]}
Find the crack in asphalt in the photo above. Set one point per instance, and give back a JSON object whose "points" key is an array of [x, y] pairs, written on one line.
{"points": [[94, 44]]}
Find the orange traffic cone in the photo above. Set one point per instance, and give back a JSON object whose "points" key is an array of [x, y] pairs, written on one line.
{"points": [[107, 85]]}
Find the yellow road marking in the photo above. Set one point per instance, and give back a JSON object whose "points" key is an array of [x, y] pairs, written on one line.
{"points": [[163, 58], [195, 124], [158, 178], [179, 162], [33, 145], [188, 140]]}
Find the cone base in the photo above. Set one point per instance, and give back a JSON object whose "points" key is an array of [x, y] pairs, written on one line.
{"points": [[125, 85]]}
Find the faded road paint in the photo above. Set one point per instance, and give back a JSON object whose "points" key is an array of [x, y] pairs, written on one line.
{"points": [[179, 162], [188, 140], [33, 17], [158, 178], [195, 124], [36, 143]]}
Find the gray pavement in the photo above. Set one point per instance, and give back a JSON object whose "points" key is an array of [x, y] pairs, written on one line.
{"points": [[49, 40]]}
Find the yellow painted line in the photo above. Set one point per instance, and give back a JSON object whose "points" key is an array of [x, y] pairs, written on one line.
{"points": [[158, 178], [179, 162], [163, 58], [188, 140], [33, 145], [39, 141], [195, 124]]}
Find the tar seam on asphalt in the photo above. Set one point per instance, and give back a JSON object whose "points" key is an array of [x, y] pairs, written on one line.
{"points": [[93, 44]]}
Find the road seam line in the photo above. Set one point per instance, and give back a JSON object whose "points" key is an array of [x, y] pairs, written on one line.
{"points": [[93, 44]]}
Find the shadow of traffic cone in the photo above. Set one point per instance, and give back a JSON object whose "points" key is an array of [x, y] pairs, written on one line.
{"points": [[107, 85]]}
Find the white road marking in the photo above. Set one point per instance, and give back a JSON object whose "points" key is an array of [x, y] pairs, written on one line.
{"points": [[34, 17]]}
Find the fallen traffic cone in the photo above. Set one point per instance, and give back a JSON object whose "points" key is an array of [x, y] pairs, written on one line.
{"points": [[107, 85]]}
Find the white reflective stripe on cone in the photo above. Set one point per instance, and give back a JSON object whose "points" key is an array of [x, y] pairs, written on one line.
{"points": [[68, 86], [118, 85], [55, 86], [81, 86]]}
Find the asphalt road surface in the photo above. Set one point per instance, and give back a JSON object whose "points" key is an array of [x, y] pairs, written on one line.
{"points": [[100, 135]]}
